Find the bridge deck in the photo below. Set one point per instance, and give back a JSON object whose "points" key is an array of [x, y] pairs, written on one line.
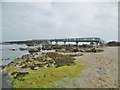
{"points": [[90, 39], [78, 40]]}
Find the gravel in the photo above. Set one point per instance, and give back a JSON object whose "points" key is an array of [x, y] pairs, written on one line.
{"points": [[101, 70]]}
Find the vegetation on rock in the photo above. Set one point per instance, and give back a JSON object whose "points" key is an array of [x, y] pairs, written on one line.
{"points": [[41, 71]]}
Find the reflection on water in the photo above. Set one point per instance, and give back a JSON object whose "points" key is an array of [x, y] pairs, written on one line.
{"points": [[7, 55]]}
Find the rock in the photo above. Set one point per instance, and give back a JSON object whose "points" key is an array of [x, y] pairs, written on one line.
{"points": [[51, 61], [89, 50], [24, 66], [48, 58], [33, 50], [22, 49], [79, 54], [46, 65], [98, 50], [40, 64], [19, 62], [52, 65], [32, 67], [93, 50], [82, 50], [13, 49], [36, 68], [36, 62], [21, 73], [8, 59], [6, 81], [13, 73]]}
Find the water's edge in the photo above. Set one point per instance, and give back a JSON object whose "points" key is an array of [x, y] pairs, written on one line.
{"points": [[7, 54]]}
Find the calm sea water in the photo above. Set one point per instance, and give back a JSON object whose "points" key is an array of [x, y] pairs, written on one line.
{"points": [[7, 55]]}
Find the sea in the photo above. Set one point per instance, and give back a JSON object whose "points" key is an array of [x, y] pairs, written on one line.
{"points": [[7, 55]]}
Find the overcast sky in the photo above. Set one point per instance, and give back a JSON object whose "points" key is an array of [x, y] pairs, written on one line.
{"points": [[22, 21]]}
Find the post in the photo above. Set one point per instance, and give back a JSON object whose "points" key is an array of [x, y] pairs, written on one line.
{"points": [[50, 42], [40, 49], [56, 42], [97, 44], [77, 45], [65, 45]]}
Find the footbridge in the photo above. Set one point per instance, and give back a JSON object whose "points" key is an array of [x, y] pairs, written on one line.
{"points": [[77, 40], [96, 40]]}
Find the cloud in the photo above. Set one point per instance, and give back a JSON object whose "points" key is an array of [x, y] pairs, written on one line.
{"points": [[59, 20]]}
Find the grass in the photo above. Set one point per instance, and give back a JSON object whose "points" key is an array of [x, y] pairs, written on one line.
{"points": [[44, 77]]}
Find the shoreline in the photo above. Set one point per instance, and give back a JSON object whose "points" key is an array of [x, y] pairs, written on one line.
{"points": [[54, 62], [97, 72]]}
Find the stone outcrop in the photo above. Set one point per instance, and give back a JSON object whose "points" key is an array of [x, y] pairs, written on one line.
{"points": [[95, 50], [27, 62], [19, 73]]}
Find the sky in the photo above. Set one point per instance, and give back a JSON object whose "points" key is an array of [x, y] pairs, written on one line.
{"points": [[46, 20]]}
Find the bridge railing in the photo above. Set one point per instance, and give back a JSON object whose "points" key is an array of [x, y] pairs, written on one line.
{"points": [[78, 40]]}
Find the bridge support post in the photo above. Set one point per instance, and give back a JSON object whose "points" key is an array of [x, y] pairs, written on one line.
{"points": [[77, 45], [56, 42], [50, 42], [64, 45], [97, 44]]}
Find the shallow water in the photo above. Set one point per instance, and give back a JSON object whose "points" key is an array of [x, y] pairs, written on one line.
{"points": [[7, 55]]}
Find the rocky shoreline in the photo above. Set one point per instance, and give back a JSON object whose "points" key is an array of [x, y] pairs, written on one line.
{"points": [[22, 66], [33, 62], [41, 60]]}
